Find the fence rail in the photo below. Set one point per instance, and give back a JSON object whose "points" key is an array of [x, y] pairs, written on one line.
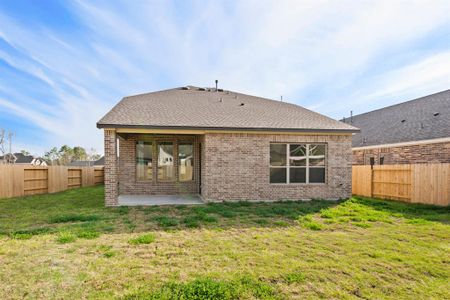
{"points": [[416, 183], [20, 180]]}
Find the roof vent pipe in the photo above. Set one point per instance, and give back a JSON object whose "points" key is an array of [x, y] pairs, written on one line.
{"points": [[217, 82], [351, 116]]}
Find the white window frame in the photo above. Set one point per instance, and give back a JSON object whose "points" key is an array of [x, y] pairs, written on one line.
{"points": [[307, 167]]}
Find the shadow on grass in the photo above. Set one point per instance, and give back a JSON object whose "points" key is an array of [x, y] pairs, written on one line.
{"points": [[411, 211], [82, 212], [233, 214]]}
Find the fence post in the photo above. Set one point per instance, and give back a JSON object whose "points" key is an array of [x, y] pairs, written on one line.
{"points": [[371, 181]]}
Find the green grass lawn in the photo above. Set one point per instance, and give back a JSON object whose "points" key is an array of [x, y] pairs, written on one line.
{"points": [[67, 245]]}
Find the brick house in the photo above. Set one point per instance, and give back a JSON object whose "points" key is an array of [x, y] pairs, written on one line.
{"points": [[416, 131], [223, 145]]}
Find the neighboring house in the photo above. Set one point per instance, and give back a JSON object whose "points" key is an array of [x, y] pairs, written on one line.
{"points": [[417, 131], [8, 158], [100, 161], [223, 145], [81, 163], [87, 163], [20, 158]]}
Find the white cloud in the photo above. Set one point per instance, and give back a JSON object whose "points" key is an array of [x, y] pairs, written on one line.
{"points": [[433, 71], [331, 56]]}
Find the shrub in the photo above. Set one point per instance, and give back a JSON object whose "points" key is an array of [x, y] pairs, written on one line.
{"points": [[143, 239], [73, 218], [66, 237]]}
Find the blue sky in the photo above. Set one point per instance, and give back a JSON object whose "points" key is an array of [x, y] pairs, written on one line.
{"points": [[63, 64]]}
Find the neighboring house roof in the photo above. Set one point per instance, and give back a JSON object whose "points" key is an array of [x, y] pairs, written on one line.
{"points": [[9, 157], [81, 163], [420, 119], [24, 159], [100, 161], [198, 108], [20, 158], [87, 163]]}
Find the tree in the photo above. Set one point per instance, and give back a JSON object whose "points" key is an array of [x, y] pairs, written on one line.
{"points": [[5, 141], [25, 152], [2, 141], [93, 155], [65, 155], [52, 156], [79, 153]]}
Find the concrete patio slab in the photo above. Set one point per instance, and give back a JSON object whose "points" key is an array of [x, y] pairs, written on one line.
{"points": [[146, 200]]}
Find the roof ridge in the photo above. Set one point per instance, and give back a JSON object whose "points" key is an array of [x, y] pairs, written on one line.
{"points": [[401, 103], [154, 92]]}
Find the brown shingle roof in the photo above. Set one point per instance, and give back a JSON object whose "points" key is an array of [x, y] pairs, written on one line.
{"points": [[199, 109]]}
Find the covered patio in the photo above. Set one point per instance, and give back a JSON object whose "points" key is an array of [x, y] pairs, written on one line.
{"points": [[156, 168]]}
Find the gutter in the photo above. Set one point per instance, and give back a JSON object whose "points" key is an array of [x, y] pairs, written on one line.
{"points": [[403, 144], [115, 126]]}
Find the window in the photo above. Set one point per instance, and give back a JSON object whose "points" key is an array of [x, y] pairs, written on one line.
{"points": [[186, 162], [297, 163], [166, 169], [278, 164], [144, 170]]}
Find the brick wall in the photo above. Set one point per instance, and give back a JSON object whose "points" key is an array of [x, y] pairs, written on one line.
{"points": [[236, 167], [129, 185], [411, 154], [111, 189]]}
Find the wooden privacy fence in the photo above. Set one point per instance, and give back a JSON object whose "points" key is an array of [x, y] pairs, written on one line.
{"points": [[417, 183], [20, 180]]}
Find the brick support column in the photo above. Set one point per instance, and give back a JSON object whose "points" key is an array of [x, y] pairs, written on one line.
{"points": [[111, 171]]}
